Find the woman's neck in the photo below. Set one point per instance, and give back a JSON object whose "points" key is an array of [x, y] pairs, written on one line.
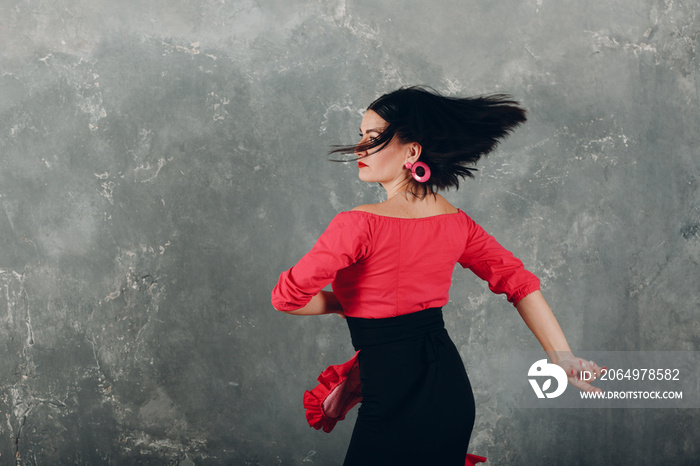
{"points": [[393, 189]]}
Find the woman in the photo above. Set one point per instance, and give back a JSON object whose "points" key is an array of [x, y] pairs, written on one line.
{"points": [[391, 263]]}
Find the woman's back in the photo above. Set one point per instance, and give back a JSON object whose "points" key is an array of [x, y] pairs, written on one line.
{"points": [[400, 265]]}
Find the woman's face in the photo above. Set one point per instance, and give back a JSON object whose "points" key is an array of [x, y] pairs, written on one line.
{"points": [[384, 166]]}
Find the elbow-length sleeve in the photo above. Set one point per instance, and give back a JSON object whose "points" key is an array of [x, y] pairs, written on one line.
{"points": [[493, 263], [344, 242]]}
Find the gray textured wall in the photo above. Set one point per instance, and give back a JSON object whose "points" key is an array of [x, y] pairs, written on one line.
{"points": [[161, 162]]}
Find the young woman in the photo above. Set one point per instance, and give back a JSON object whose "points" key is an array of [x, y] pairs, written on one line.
{"points": [[391, 263]]}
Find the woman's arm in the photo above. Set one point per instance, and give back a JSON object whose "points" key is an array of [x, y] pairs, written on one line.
{"points": [[324, 302], [539, 318], [299, 289]]}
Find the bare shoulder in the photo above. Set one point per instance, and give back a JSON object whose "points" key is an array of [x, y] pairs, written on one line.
{"points": [[443, 206], [369, 208]]}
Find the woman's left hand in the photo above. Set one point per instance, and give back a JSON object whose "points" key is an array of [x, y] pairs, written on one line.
{"points": [[581, 372]]}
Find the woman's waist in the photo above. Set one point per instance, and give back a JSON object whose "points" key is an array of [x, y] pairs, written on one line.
{"points": [[375, 298], [371, 332], [385, 307]]}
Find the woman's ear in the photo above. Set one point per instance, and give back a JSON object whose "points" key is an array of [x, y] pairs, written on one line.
{"points": [[414, 151]]}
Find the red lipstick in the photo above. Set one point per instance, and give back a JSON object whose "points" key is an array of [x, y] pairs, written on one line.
{"points": [[361, 164]]}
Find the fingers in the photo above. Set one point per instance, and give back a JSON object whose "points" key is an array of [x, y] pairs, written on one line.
{"points": [[583, 385], [596, 369], [587, 372], [591, 367]]}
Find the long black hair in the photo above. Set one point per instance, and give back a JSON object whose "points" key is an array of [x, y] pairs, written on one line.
{"points": [[454, 132]]}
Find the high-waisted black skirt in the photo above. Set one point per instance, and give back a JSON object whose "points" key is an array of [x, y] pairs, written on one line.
{"points": [[417, 403]]}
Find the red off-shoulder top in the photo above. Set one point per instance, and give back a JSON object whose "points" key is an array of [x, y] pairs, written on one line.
{"points": [[383, 266]]}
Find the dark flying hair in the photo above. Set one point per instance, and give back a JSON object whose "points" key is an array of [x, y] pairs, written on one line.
{"points": [[454, 132]]}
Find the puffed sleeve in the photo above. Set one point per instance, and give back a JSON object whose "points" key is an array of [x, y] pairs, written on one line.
{"points": [[493, 263], [344, 242]]}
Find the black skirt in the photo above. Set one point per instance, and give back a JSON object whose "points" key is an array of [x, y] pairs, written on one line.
{"points": [[417, 403]]}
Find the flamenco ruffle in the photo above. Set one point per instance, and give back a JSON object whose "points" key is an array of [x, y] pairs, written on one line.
{"points": [[473, 459], [338, 391]]}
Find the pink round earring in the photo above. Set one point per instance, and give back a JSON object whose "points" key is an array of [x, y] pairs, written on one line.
{"points": [[419, 178]]}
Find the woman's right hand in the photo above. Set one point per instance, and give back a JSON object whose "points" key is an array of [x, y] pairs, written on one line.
{"points": [[581, 372]]}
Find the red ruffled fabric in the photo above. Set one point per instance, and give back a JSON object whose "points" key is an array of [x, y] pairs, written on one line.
{"points": [[473, 459], [338, 391]]}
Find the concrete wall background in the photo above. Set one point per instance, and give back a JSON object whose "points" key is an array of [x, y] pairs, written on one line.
{"points": [[162, 162]]}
